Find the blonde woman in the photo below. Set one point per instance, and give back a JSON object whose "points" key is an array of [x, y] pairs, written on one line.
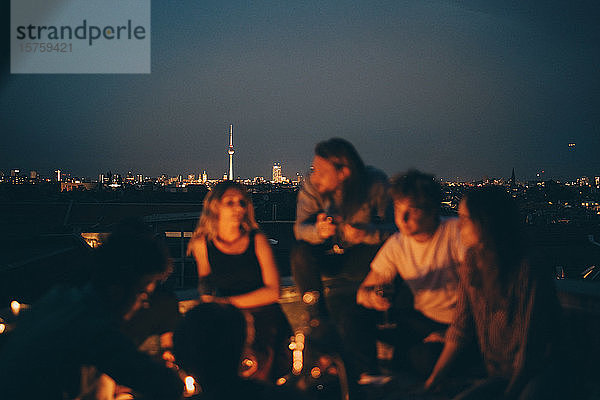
{"points": [[235, 261]]}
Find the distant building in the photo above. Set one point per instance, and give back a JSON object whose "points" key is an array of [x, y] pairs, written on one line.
{"points": [[33, 175], [583, 181], [58, 175], [115, 180], [277, 177], [16, 178], [230, 151], [204, 177], [512, 182], [130, 178], [70, 186]]}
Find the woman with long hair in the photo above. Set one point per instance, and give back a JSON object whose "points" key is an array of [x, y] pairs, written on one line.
{"points": [[506, 304], [236, 265]]}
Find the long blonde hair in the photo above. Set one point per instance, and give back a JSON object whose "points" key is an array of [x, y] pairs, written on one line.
{"points": [[208, 224]]}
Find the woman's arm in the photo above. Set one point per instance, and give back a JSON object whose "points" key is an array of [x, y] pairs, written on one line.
{"points": [[459, 332], [269, 293], [451, 349], [197, 248]]}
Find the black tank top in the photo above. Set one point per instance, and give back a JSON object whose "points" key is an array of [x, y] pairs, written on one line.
{"points": [[234, 274]]}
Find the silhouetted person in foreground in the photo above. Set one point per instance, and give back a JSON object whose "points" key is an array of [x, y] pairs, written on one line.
{"points": [[72, 329], [506, 304], [208, 344]]}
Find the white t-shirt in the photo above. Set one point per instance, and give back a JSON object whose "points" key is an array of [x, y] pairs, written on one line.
{"points": [[428, 268]]}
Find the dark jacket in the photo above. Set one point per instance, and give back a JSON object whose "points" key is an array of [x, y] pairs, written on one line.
{"points": [[68, 329], [375, 215]]}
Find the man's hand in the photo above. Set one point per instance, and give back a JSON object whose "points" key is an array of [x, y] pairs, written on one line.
{"points": [[353, 235], [367, 297], [325, 226], [434, 337]]}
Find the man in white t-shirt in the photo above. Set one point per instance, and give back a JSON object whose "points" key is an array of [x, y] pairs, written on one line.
{"points": [[424, 254]]}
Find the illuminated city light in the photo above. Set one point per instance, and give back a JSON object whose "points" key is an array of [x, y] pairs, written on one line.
{"points": [[277, 176]]}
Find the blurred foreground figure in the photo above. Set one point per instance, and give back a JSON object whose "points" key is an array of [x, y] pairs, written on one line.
{"points": [[71, 330], [506, 305], [208, 344]]}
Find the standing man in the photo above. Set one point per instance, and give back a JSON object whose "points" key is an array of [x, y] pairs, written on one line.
{"points": [[343, 215], [424, 254]]}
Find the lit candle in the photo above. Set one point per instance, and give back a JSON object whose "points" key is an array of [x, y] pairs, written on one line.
{"points": [[190, 385], [15, 306]]}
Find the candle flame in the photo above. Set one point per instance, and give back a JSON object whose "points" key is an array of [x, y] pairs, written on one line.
{"points": [[190, 384]]}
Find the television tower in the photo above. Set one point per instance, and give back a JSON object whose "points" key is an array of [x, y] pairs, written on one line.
{"points": [[230, 151]]}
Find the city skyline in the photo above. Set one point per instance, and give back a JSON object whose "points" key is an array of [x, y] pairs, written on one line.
{"points": [[276, 175], [467, 90]]}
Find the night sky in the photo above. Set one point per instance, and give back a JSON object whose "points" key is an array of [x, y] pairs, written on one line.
{"points": [[466, 89]]}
